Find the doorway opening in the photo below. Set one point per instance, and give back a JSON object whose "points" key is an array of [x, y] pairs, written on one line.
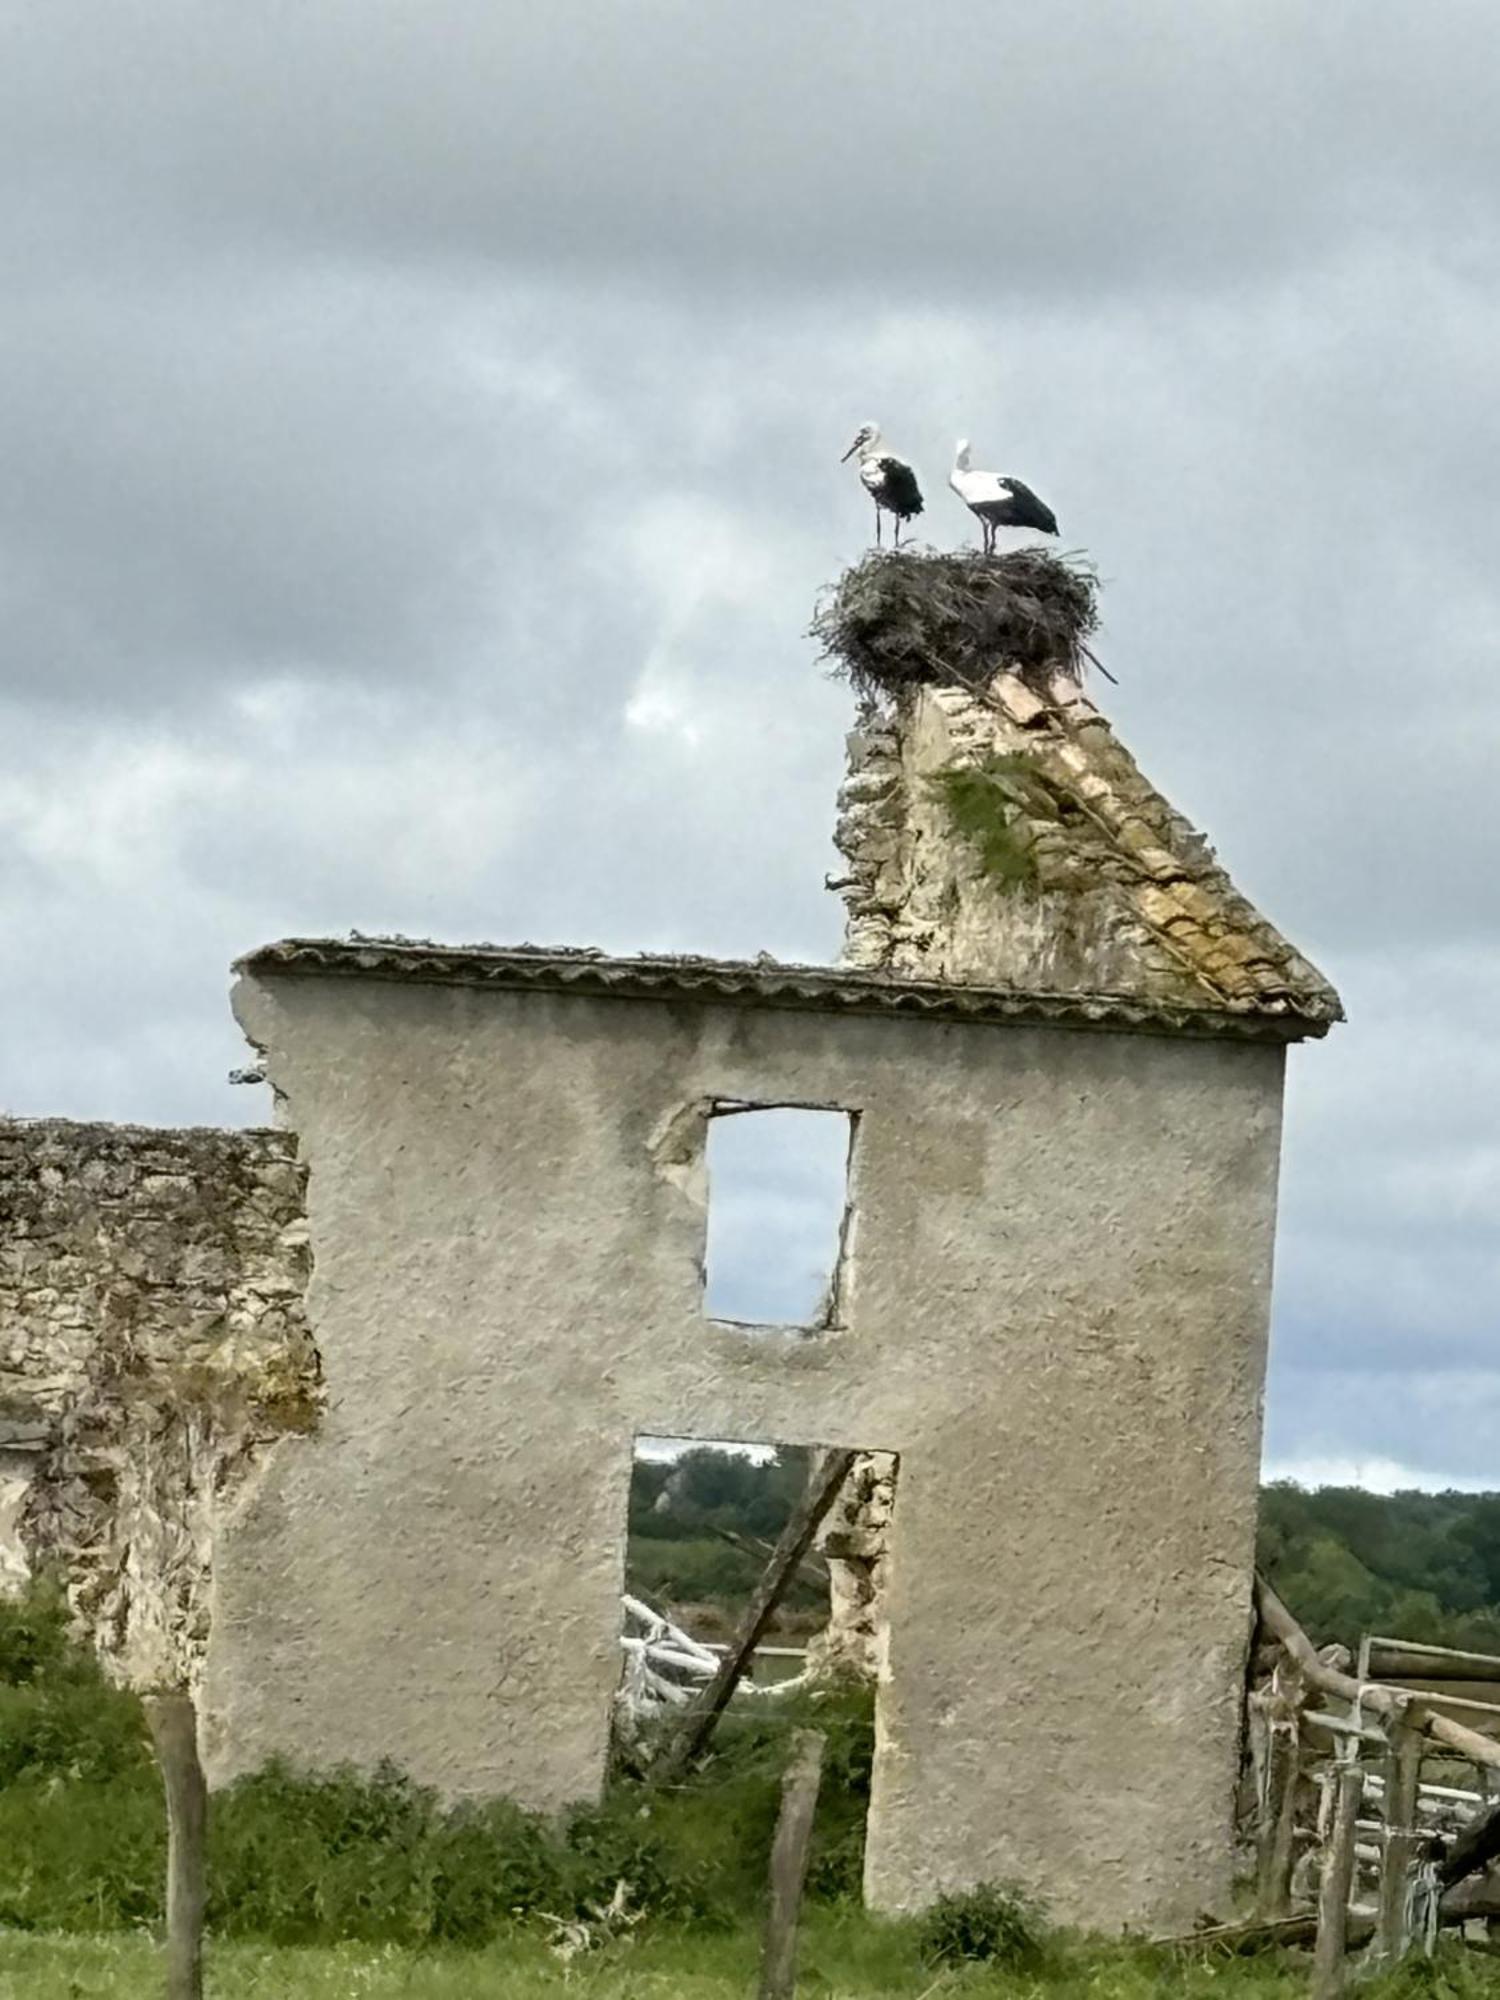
{"points": [[716, 1528]]}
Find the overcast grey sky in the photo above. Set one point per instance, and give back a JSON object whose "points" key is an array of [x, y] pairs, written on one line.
{"points": [[418, 458]]}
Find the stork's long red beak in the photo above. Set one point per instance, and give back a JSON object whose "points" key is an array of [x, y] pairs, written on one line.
{"points": [[850, 452]]}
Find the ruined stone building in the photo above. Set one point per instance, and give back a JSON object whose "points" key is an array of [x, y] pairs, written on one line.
{"points": [[1050, 1309]]}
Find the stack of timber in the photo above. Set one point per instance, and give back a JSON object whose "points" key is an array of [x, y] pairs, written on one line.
{"points": [[1377, 1798]]}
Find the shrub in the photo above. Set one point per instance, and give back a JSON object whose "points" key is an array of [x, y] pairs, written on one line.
{"points": [[996, 1921], [375, 1858], [59, 1717], [34, 1639], [82, 1856]]}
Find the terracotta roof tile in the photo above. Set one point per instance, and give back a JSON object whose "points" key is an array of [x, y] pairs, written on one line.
{"points": [[760, 982], [1132, 835]]}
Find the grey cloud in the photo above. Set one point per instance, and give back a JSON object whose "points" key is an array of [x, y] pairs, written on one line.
{"points": [[1048, 149], [418, 437], [1440, 1426], [233, 475]]}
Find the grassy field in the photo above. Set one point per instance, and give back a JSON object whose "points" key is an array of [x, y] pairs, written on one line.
{"points": [[845, 1958], [854, 1959]]}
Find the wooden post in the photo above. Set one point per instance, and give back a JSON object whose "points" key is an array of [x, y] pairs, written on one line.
{"points": [[1281, 1719], [1403, 1775], [827, 1476], [1286, 1774], [799, 1802], [1338, 1879], [174, 1731]]}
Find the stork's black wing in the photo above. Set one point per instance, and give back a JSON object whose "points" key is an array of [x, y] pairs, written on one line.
{"points": [[1025, 510], [899, 492]]}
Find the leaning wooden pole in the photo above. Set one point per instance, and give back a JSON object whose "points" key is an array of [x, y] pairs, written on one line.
{"points": [[827, 1477], [174, 1731], [1386, 1701], [1338, 1880], [799, 1803]]}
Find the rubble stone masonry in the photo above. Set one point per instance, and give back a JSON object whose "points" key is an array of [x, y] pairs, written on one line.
{"points": [[152, 1340]]}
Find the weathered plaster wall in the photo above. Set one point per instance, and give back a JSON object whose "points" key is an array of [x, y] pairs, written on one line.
{"points": [[1055, 1312], [152, 1338]]}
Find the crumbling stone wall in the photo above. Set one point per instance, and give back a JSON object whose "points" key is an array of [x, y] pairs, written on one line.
{"points": [[917, 901], [152, 1343], [855, 1540]]}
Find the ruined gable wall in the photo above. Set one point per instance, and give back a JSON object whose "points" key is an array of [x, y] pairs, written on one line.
{"points": [[919, 904], [1054, 1309], [152, 1335]]}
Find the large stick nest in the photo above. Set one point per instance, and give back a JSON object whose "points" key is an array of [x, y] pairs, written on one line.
{"points": [[899, 620]]}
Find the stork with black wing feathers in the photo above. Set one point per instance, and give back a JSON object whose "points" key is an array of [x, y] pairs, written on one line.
{"points": [[889, 480], [998, 500]]}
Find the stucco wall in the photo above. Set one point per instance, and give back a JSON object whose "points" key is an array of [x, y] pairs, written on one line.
{"points": [[1056, 1313]]}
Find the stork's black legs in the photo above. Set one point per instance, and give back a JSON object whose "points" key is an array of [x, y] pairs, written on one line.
{"points": [[877, 525]]}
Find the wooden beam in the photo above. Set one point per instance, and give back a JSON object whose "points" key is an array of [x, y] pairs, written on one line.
{"points": [[174, 1731], [1338, 1879], [1275, 1849], [824, 1481], [1403, 1777], [813, 1568], [1280, 1623], [1247, 1935], [1409, 1660], [799, 1804], [1459, 1706], [1474, 1848]]}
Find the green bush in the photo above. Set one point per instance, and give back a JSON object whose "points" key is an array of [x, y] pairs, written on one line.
{"points": [[34, 1640], [996, 1922], [58, 1715], [77, 1855], [315, 1859], [68, 1731]]}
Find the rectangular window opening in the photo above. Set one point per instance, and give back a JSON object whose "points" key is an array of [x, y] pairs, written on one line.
{"points": [[705, 1518], [778, 1214]]}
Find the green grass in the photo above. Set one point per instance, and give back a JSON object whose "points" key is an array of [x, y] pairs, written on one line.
{"points": [[844, 1957]]}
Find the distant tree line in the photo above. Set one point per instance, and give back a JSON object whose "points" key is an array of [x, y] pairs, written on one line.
{"points": [[701, 1526], [1415, 1565], [1411, 1565]]}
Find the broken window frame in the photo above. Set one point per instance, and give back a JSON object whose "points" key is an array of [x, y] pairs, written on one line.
{"points": [[831, 1313]]}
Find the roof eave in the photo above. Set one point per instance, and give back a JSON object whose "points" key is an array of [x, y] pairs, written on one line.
{"points": [[769, 982]]}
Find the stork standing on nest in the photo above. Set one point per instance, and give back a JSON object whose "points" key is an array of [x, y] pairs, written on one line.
{"points": [[998, 500], [889, 480]]}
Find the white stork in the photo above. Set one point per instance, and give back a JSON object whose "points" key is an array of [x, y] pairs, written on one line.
{"points": [[889, 481], [998, 500]]}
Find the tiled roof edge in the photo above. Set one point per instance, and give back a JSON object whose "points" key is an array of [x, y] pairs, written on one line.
{"points": [[768, 982], [1270, 971]]}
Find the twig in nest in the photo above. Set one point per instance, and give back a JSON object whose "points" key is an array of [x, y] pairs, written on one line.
{"points": [[897, 621]]}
